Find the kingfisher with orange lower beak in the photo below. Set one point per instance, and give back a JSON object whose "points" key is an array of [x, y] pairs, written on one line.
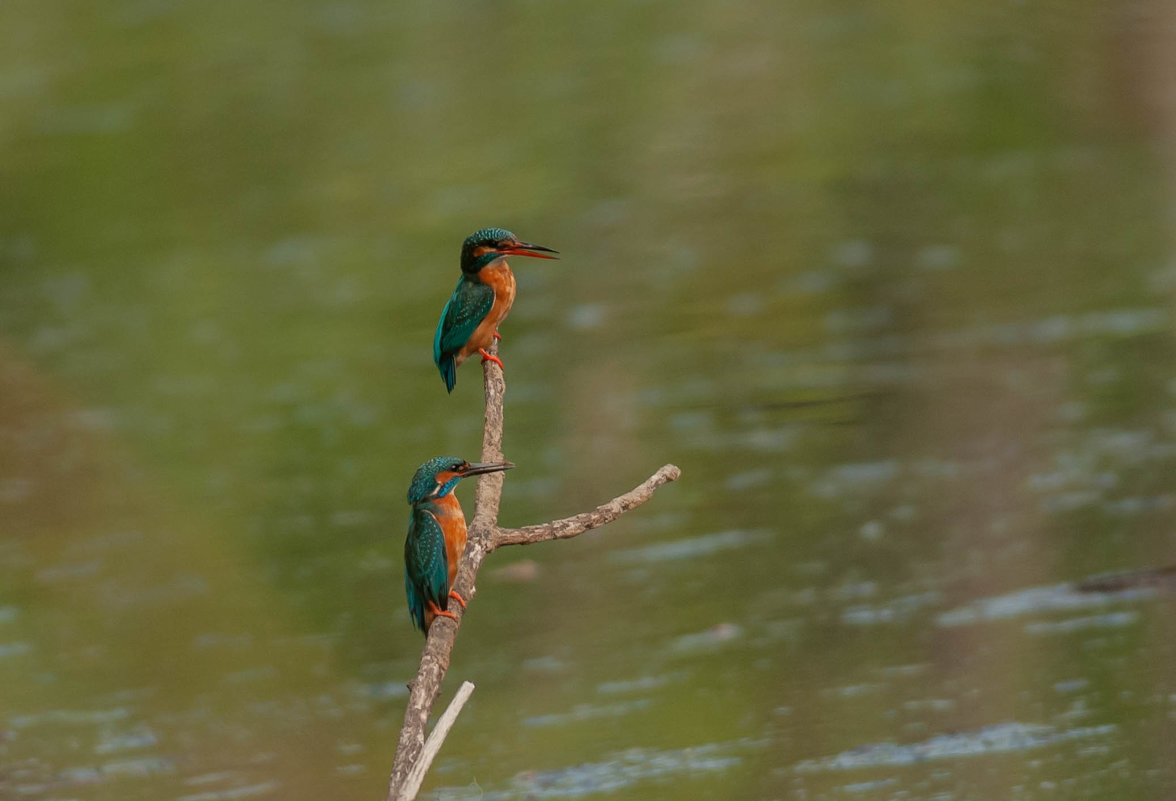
{"points": [[484, 294], [437, 536]]}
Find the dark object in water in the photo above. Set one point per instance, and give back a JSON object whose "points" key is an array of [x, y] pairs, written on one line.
{"points": [[1163, 578]]}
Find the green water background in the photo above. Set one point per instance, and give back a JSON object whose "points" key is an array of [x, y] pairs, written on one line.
{"points": [[892, 283]]}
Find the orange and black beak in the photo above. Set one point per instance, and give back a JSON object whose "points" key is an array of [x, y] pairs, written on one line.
{"points": [[527, 249], [478, 468]]}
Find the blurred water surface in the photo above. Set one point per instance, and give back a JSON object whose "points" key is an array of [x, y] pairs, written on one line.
{"points": [[892, 283]]}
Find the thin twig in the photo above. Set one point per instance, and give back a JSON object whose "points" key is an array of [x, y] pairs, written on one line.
{"points": [[412, 784], [576, 525], [484, 537]]}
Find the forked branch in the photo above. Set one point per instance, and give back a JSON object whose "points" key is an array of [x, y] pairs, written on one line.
{"points": [[484, 537]]}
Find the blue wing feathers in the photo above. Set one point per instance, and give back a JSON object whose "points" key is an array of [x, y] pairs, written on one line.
{"points": [[445, 362], [467, 307], [426, 566], [440, 329]]}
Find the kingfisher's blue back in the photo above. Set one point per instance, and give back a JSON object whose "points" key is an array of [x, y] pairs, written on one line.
{"points": [[467, 308], [426, 567]]}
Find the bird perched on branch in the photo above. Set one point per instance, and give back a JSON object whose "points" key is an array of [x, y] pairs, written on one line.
{"points": [[484, 294], [437, 536]]}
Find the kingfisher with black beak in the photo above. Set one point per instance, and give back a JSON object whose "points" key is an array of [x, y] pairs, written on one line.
{"points": [[484, 294], [437, 536]]}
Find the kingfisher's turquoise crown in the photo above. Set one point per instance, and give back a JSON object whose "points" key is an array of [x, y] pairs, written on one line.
{"points": [[424, 481], [487, 237]]}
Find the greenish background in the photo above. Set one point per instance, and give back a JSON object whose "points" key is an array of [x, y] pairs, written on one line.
{"points": [[892, 282]]}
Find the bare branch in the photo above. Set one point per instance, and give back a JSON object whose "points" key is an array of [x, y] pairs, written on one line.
{"points": [[412, 785], [489, 491], [573, 526], [484, 537]]}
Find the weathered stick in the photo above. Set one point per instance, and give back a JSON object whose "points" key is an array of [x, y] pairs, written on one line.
{"points": [[412, 784], [576, 525], [484, 537]]}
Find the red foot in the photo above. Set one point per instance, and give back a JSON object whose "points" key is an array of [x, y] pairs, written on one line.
{"points": [[497, 335], [453, 594], [486, 357], [441, 612]]}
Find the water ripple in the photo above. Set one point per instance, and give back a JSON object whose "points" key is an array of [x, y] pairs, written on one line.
{"points": [[1000, 738], [1058, 597]]}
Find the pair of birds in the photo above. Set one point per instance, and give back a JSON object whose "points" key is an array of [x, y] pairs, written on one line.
{"points": [[469, 324]]}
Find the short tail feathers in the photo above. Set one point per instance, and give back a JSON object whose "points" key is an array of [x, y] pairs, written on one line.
{"points": [[416, 605], [448, 368]]}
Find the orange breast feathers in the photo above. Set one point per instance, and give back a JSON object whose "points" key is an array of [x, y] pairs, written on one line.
{"points": [[448, 513], [499, 277]]}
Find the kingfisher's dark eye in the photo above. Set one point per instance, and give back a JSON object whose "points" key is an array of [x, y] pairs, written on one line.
{"points": [[459, 466], [504, 245]]}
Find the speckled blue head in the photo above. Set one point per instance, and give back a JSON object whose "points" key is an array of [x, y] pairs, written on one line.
{"points": [[482, 247], [437, 477]]}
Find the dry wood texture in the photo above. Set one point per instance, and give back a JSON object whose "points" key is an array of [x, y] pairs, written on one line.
{"points": [[484, 537]]}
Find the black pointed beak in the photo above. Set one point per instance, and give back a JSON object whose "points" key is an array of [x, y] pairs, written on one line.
{"points": [[534, 251], [480, 468]]}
